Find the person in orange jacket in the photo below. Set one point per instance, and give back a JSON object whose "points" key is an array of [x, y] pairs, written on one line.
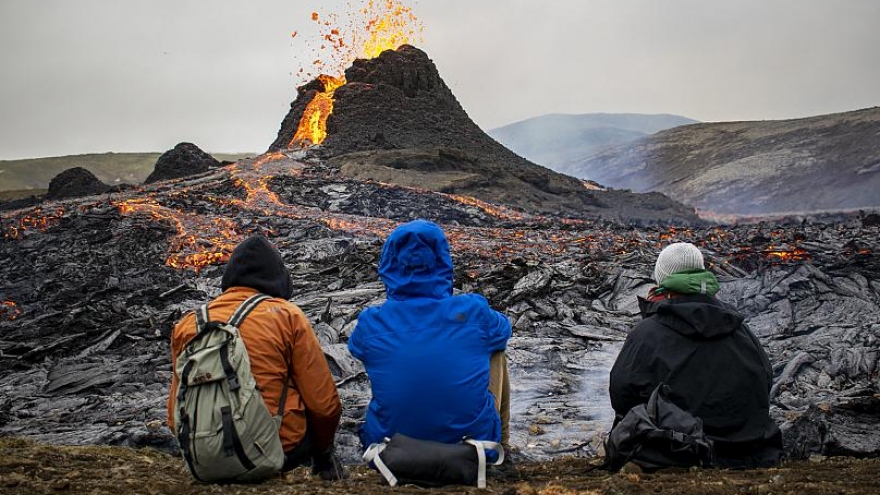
{"points": [[281, 346]]}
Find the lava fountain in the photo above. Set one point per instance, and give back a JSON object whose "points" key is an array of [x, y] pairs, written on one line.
{"points": [[379, 26]]}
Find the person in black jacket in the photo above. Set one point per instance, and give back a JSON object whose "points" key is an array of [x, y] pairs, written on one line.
{"points": [[714, 365]]}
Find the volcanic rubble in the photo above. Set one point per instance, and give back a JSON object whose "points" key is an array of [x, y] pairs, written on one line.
{"points": [[90, 288]]}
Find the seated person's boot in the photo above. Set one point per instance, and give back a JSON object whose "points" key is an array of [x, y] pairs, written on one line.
{"points": [[329, 467]]}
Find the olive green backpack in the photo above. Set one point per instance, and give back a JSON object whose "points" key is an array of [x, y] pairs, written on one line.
{"points": [[225, 430]]}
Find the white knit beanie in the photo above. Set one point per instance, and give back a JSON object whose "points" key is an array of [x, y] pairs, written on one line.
{"points": [[675, 258]]}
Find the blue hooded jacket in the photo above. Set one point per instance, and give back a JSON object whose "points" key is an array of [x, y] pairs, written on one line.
{"points": [[426, 351]]}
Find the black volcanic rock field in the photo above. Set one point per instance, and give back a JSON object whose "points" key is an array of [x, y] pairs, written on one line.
{"points": [[90, 292]]}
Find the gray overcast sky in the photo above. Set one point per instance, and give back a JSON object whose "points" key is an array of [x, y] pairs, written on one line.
{"points": [[83, 76]]}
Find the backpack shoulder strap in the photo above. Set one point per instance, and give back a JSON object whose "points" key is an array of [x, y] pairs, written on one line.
{"points": [[245, 308], [202, 323], [201, 317]]}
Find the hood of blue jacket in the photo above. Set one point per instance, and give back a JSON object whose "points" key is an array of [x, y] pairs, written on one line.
{"points": [[416, 263]]}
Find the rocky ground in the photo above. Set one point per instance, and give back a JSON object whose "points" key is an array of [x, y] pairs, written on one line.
{"points": [[27, 468]]}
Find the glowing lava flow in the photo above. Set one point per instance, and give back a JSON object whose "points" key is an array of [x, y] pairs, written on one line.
{"points": [[207, 225], [203, 239], [199, 240], [382, 25], [256, 184], [795, 254], [37, 220], [312, 127], [496, 211]]}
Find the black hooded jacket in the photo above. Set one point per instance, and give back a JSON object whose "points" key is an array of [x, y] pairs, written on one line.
{"points": [[716, 368], [255, 263]]}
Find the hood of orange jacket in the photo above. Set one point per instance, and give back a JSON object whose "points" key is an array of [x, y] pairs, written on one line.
{"points": [[255, 263]]}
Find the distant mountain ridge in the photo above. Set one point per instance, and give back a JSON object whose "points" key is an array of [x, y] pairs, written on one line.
{"points": [[555, 140], [827, 162]]}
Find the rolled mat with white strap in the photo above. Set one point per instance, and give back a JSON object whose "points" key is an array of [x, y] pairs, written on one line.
{"points": [[374, 451]]}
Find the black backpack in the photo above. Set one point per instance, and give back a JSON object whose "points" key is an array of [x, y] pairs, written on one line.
{"points": [[658, 434]]}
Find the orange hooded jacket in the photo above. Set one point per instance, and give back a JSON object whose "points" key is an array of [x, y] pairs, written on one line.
{"points": [[280, 343]]}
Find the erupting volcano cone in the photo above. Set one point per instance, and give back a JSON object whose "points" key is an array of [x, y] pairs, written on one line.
{"points": [[395, 120], [396, 100]]}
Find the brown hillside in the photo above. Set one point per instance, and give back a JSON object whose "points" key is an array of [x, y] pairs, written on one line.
{"points": [[819, 163]]}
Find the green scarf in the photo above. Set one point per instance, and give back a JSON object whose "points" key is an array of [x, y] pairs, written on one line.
{"points": [[690, 282]]}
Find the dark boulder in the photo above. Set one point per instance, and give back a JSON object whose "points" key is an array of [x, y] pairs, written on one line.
{"points": [[75, 182], [184, 160]]}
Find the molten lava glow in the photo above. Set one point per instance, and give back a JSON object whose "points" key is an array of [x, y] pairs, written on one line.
{"points": [[206, 226], [199, 240], [312, 127], [378, 26], [339, 224], [202, 239], [36, 220], [8, 310], [389, 25], [493, 210], [378, 227], [198, 250], [255, 180], [796, 254]]}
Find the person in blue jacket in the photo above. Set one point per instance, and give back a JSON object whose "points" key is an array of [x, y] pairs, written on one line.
{"points": [[427, 352]]}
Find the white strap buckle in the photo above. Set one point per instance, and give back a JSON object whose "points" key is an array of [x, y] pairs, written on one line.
{"points": [[373, 451], [481, 446], [372, 455]]}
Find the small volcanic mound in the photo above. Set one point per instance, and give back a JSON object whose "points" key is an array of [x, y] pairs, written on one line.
{"points": [[183, 160], [75, 182]]}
